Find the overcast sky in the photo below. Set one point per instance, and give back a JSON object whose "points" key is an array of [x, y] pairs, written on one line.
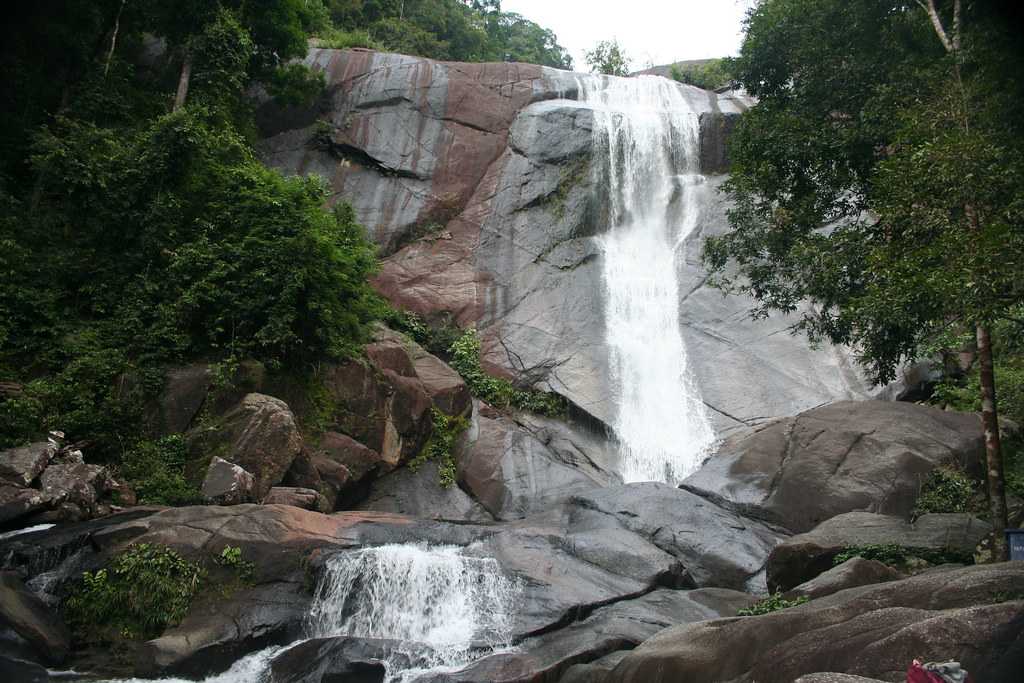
{"points": [[650, 31]]}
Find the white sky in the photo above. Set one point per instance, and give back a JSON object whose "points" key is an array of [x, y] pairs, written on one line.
{"points": [[650, 31]]}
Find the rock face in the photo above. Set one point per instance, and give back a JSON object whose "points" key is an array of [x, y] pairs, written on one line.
{"points": [[476, 182], [803, 557], [854, 572], [258, 435], [31, 619], [871, 631], [869, 455], [20, 466]]}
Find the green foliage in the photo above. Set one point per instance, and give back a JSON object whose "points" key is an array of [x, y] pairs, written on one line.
{"points": [[440, 448], [342, 40], [144, 590], [945, 490], [437, 339], [231, 558], [156, 472], [901, 557], [773, 603], [500, 393], [709, 74], [608, 57]]}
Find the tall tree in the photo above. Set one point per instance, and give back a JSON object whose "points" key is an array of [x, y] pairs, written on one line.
{"points": [[897, 126]]}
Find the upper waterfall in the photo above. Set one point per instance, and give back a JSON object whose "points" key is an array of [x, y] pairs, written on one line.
{"points": [[647, 160]]}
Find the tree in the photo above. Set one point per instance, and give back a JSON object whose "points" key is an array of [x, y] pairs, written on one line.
{"points": [[898, 127], [608, 57]]}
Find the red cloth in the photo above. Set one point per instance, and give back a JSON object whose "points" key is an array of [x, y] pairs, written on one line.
{"points": [[918, 674]]}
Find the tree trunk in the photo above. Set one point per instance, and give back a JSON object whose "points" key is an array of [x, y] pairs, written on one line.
{"points": [[186, 74], [993, 450]]}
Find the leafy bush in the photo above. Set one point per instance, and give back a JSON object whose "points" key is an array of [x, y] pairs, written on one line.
{"points": [[709, 74], [945, 490], [231, 558], [901, 556], [500, 393], [146, 589], [441, 445], [156, 471], [772, 603], [337, 39]]}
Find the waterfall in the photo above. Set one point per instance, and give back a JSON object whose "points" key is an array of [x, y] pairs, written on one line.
{"points": [[446, 608], [647, 154]]}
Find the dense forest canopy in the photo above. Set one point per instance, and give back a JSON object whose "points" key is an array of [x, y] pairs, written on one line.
{"points": [[900, 127]]}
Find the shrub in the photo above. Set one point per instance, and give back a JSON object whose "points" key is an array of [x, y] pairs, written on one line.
{"points": [[945, 490], [901, 556], [146, 589], [441, 445], [156, 471], [772, 603], [500, 393], [230, 557]]}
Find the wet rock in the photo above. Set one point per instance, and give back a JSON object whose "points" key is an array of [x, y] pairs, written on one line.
{"points": [[227, 484], [418, 493], [866, 455], [854, 572], [20, 466], [801, 558], [619, 626], [259, 435], [307, 499], [33, 620], [871, 631], [22, 671], [517, 466], [352, 660], [717, 547]]}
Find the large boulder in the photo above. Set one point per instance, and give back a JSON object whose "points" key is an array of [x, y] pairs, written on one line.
{"points": [[20, 466], [855, 455], [801, 558], [32, 619], [715, 545], [871, 631], [259, 435], [183, 395], [519, 465]]}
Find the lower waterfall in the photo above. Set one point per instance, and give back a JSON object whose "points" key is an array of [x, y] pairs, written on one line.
{"points": [[647, 158], [444, 608]]}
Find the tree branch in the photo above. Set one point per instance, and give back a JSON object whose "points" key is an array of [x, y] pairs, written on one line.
{"points": [[933, 14], [113, 39]]}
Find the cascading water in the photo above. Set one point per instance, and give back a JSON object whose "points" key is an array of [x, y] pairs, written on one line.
{"points": [[646, 143], [443, 608]]}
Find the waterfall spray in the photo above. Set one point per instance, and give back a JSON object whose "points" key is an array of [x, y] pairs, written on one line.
{"points": [[647, 154]]}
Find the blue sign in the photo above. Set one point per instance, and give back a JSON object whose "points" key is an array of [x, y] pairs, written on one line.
{"points": [[1015, 539]]}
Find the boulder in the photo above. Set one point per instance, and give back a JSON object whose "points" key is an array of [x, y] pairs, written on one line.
{"points": [[517, 466], [445, 387], [75, 485], [226, 483], [801, 558], [856, 455], [595, 671], [32, 619], [854, 572], [358, 460], [352, 660], [870, 631], [334, 478], [307, 499], [619, 626], [259, 435], [716, 546], [20, 466], [17, 502], [184, 392], [418, 493]]}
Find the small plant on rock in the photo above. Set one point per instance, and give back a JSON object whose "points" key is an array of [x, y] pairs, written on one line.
{"points": [[441, 446], [773, 603]]}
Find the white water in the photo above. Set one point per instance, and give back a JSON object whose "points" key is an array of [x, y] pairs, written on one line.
{"points": [[649, 136], [447, 609]]}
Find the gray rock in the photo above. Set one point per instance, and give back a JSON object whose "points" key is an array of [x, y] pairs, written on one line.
{"points": [[871, 631], [835, 678], [31, 619], [526, 464], [259, 435], [619, 626], [17, 502], [868, 455], [717, 547], [801, 558], [854, 572], [417, 493], [75, 484], [183, 395], [307, 499], [20, 466], [358, 460], [355, 660], [14, 669], [595, 671], [227, 484]]}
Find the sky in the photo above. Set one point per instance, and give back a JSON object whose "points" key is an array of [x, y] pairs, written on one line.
{"points": [[651, 32]]}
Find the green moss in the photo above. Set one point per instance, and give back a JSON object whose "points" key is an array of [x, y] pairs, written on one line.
{"points": [[772, 603]]}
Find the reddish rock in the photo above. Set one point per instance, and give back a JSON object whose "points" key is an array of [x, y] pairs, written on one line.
{"points": [[307, 499]]}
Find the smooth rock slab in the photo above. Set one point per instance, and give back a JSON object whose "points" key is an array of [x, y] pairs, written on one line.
{"points": [[854, 455], [801, 558]]}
